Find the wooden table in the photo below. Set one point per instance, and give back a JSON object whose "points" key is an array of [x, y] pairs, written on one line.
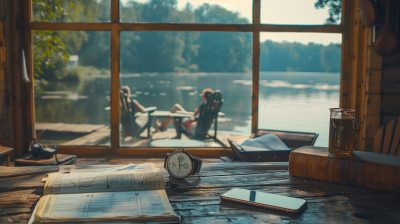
{"points": [[197, 199]]}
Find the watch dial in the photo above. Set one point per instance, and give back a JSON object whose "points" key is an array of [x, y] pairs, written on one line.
{"points": [[179, 164]]}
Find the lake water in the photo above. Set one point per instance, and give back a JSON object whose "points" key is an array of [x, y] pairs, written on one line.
{"points": [[291, 101]]}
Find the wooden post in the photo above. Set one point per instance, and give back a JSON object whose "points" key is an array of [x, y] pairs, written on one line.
{"points": [[361, 76], [29, 87], [4, 121], [115, 144], [256, 67], [16, 96], [354, 48]]}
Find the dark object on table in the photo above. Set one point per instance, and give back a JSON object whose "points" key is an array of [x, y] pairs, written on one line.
{"points": [[251, 154], [207, 114], [5, 156], [387, 138], [362, 169], [44, 152], [44, 155], [128, 117]]}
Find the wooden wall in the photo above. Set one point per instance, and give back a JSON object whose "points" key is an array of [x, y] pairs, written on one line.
{"points": [[372, 99], [382, 92], [14, 132], [390, 105], [5, 84]]}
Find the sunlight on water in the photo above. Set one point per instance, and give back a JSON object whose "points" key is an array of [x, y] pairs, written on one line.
{"points": [[303, 112]]}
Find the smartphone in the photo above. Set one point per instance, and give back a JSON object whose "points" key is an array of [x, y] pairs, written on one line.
{"points": [[266, 200]]}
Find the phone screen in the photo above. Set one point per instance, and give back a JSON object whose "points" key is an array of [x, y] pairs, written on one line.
{"points": [[264, 199]]}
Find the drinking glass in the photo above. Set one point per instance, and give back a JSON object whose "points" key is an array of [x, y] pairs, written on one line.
{"points": [[343, 127]]}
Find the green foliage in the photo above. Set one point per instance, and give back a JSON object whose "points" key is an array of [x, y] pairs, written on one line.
{"points": [[167, 51], [48, 43], [298, 57]]}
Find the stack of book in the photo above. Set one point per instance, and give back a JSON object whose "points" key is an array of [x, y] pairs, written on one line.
{"points": [[133, 193]]}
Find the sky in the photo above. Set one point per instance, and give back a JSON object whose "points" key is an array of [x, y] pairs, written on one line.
{"points": [[294, 12]]}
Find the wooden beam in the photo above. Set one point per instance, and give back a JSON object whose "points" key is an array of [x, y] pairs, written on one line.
{"points": [[255, 90], [301, 28], [9, 82], [69, 26], [29, 87], [115, 11], [361, 71], [256, 12], [187, 27], [16, 96], [114, 119], [346, 54]]}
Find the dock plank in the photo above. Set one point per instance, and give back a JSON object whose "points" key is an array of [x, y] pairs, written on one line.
{"points": [[65, 127]]}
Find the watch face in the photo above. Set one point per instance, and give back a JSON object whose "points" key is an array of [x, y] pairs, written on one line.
{"points": [[179, 164]]}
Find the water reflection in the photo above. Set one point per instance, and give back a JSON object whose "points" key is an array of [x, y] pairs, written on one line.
{"points": [[296, 101]]}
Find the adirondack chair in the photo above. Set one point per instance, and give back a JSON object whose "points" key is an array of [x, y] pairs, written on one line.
{"points": [[207, 114], [130, 126], [387, 138]]}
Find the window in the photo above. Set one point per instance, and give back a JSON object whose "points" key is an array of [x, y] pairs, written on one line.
{"points": [[167, 52]]}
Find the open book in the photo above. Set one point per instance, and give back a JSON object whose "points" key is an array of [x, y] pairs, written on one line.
{"points": [[135, 193]]}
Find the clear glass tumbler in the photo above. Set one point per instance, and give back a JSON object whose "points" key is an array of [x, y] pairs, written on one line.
{"points": [[343, 127]]}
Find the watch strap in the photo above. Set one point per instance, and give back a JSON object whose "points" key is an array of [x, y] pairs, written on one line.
{"points": [[197, 162], [165, 161]]}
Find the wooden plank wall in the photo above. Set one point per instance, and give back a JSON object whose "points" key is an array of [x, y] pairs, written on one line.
{"points": [[7, 116], [372, 101], [390, 87], [4, 122], [13, 113]]}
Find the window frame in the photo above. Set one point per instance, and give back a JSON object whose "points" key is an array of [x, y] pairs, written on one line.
{"points": [[347, 83]]}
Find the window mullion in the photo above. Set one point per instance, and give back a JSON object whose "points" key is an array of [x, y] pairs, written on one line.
{"points": [[114, 120], [115, 11], [255, 66], [28, 47]]}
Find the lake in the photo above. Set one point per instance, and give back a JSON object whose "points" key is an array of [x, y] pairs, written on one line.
{"points": [[291, 101]]}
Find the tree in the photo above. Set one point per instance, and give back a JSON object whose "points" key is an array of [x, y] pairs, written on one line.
{"points": [[335, 11], [48, 44]]}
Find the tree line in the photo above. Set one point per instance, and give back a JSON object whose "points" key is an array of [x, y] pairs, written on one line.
{"points": [[153, 51]]}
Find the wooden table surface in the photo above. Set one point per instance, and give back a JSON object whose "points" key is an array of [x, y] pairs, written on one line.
{"points": [[197, 198]]}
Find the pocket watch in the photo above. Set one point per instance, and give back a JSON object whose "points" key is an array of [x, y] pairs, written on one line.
{"points": [[180, 163]]}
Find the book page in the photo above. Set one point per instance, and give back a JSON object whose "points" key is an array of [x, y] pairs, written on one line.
{"points": [[61, 183], [136, 206]]}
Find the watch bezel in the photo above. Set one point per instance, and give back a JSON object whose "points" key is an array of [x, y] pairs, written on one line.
{"points": [[191, 161]]}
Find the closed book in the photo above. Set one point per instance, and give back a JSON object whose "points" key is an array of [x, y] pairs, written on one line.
{"points": [[362, 169]]}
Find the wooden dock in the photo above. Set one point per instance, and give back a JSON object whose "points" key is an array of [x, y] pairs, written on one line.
{"points": [[99, 135]]}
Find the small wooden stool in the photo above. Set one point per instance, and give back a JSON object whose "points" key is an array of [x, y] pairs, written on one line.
{"points": [[5, 155]]}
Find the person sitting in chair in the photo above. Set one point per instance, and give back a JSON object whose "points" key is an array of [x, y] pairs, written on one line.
{"points": [[189, 124], [132, 104]]}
